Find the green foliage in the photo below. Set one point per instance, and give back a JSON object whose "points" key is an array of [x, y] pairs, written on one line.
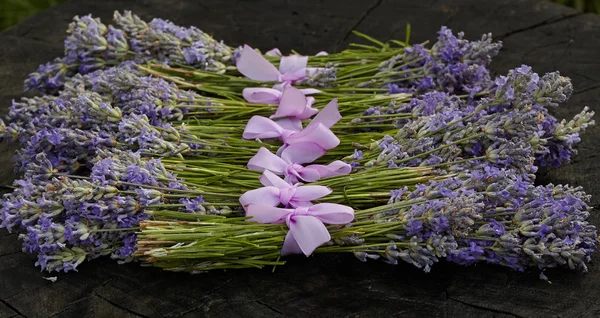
{"points": [[14, 11], [592, 6]]}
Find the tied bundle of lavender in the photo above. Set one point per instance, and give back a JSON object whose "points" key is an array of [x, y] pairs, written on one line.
{"points": [[93, 45], [462, 221], [150, 162]]}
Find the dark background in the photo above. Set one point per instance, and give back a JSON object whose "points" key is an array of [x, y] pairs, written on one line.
{"points": [[539, 33], [14, 11]]}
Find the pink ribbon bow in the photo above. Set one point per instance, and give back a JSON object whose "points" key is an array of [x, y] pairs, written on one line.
{"points": [[292, 102], [288, 130], [291, 68], [290, 163], [263, 95], [307, 231], [294, 105], [276, 191]]}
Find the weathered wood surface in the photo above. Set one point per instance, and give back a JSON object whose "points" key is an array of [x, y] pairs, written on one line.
{"points": [[538, 33]]}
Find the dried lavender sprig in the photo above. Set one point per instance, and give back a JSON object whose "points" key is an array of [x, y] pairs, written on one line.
{"points": [[562, 138]]}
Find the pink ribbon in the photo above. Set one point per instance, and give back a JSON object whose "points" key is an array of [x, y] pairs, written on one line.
{"points": [[263, 128], [276, 191], [276, 52], [307, 231], [263, 95], [294, 103], [291, 68], [290, 163], [255, 66], [288, 130], [273, 52]]}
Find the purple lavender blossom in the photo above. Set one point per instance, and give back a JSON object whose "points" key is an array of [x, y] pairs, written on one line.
{"points": [[193, 205]]}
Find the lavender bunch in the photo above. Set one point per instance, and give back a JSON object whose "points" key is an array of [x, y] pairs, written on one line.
{"points": [[123, 86], [66, 149], [69, 149], [486, 215], [91, 45], [118, 91], [86, 111], [526, 225], [167, 42], [100, 110], [443, 128], [454, 65], [69, 219]]}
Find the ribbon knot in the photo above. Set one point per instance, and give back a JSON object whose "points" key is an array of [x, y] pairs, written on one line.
{"points": [[295, 104], [306, 224], [277, 52], [286, 195], [303, 210], [293, 169]]}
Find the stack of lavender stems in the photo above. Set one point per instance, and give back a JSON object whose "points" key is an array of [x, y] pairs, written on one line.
{"points": [[136, 151]]}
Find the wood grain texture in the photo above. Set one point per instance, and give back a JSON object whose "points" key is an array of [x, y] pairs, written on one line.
{"points": [[538, 33]]}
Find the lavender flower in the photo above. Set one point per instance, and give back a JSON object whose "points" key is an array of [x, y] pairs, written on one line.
{"points": [[194, 205], [545, 231], [137, 130], [322, 77], [561, 138], [49, 77]]}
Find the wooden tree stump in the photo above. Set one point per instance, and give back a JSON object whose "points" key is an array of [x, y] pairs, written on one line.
{"points": [[546, 36]]}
